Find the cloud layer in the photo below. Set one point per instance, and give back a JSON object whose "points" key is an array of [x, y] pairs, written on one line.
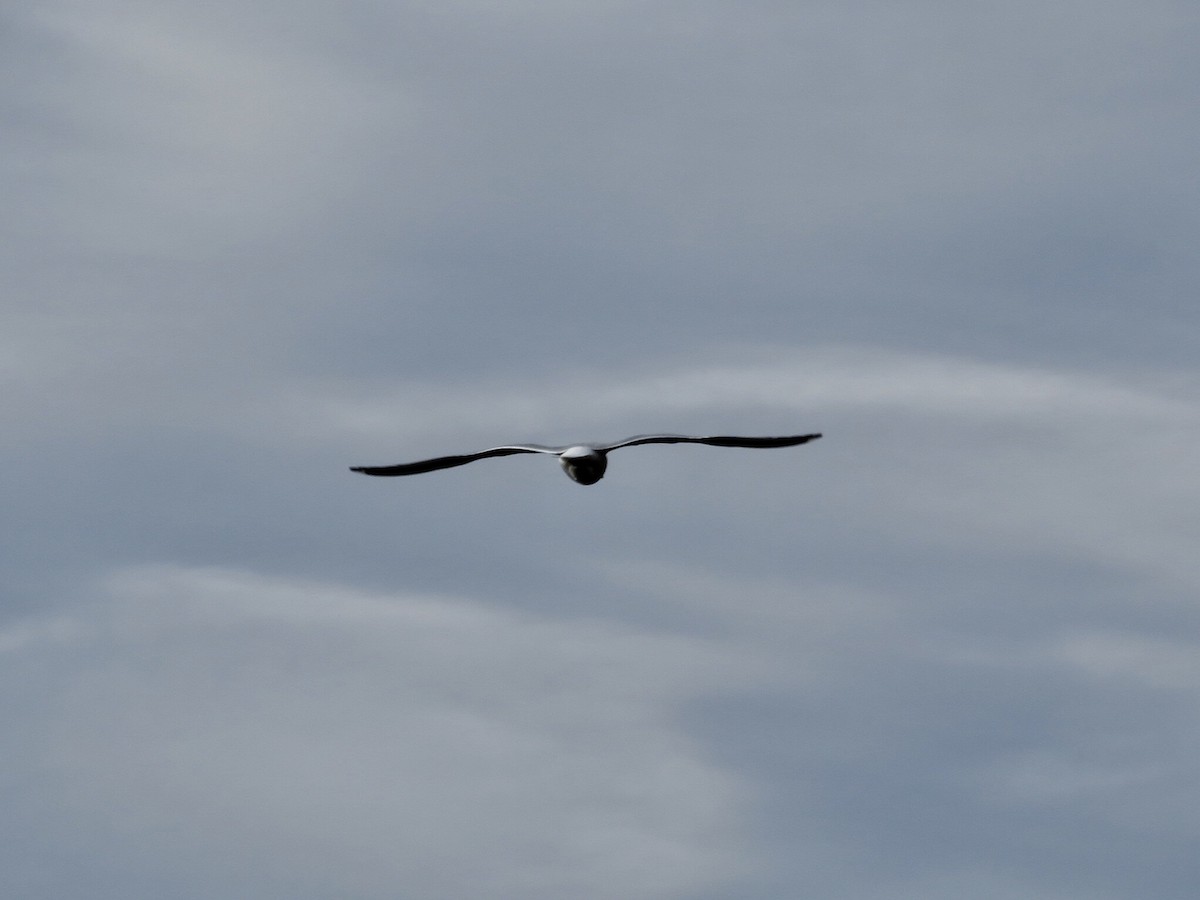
{"points": [[943, 652], [298, 739]]}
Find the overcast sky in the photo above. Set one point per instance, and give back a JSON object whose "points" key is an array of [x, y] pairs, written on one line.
{"points": [[951, 650]]}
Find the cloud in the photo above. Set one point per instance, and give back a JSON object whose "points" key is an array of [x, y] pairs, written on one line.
{"points": [[310, 740], [976, 452], [1148, 662], [222, 729], [943, 652], [186, 136], [333, 742], [657, 708], [809, 380]]}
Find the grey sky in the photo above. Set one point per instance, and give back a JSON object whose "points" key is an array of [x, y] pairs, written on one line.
{"points": [[949, 650]]}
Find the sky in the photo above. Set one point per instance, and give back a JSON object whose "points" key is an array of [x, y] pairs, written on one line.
{"points": [[950, 650]]}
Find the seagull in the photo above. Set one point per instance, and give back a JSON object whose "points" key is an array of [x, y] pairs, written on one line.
{"points": [[583, 463]]}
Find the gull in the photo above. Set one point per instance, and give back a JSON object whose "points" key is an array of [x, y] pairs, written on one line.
{"points": [[583, 463]]}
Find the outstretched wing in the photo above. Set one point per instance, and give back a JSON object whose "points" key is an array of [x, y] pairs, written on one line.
{"points": [[715, 440], [448, 462]]}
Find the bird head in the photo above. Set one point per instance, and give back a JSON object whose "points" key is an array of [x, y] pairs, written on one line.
{"points": [[584, 465]]}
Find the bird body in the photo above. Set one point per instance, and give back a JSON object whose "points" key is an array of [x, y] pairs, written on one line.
{"points": [[583, 463]]}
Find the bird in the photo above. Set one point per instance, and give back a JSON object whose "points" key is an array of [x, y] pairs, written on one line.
{"points": [[583, 463]]}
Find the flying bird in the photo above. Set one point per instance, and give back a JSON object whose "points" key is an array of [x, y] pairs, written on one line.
{"points": [[584, 463]]}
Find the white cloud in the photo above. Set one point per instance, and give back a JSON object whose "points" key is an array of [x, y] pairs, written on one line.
{"points": [[359, 744], [1054, 778], [190, 133], [810, 381], [1142, 660], [1098, 466]]}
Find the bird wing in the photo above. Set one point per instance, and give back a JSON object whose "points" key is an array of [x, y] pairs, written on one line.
{"points": [[447, 462], [715, 440]]}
